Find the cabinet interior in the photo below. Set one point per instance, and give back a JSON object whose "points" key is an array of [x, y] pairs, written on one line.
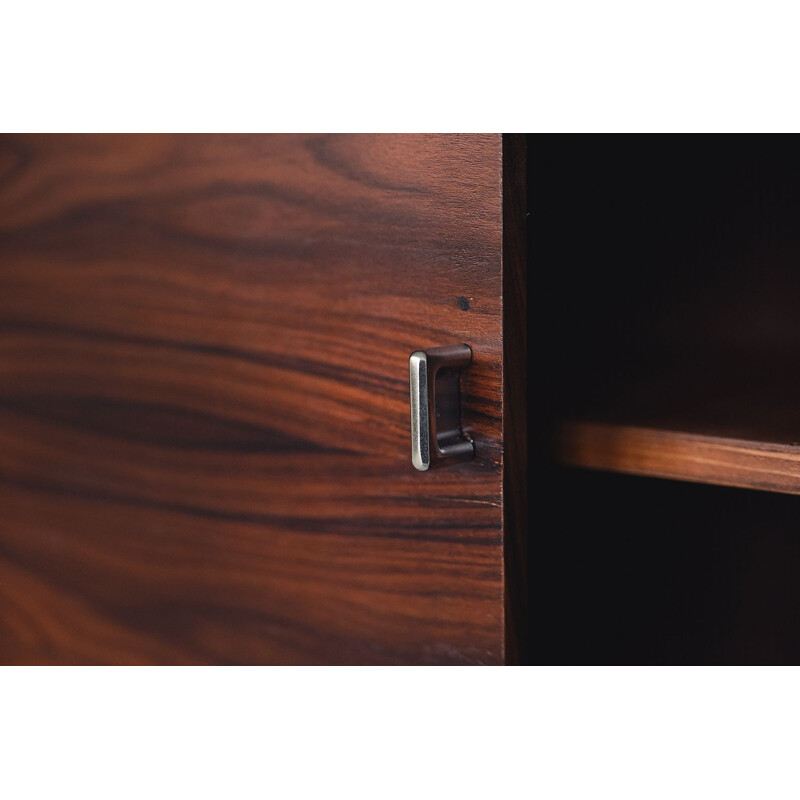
{"points": [[664, 281]]}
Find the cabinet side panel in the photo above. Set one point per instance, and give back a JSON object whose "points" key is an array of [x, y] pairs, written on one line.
{"points": [[515, 403]]}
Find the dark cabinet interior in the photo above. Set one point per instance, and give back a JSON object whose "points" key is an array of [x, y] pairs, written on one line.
{"points": [[664, 278]]}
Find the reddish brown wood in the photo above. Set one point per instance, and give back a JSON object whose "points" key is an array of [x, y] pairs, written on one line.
{"points": [[204, 436], [663, 453], [731, 422]]}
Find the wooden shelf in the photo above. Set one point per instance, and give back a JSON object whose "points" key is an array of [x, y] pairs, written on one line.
{"points": [[731, 423], [661, 453], [666, 310]]}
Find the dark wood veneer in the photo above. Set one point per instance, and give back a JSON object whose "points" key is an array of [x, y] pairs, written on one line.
{"points": [[204, 444]]}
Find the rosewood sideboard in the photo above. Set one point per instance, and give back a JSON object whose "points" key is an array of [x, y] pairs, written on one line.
{"points": [[205, 444]]}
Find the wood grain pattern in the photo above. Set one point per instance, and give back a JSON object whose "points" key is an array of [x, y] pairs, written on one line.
{"points": [[663, 453], [204, 451], [727, 421]]}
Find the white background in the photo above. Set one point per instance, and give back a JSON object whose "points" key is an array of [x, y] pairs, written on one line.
{"points": [[399, 732], [416, 65]]}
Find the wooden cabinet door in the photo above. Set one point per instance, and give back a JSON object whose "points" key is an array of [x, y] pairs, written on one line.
{"points": [[204, 410]]}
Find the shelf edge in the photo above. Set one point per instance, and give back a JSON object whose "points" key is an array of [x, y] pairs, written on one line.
{"points": [[653, 452]]}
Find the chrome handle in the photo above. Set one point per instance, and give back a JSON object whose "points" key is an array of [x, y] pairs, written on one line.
{"points": [[436, 435]]}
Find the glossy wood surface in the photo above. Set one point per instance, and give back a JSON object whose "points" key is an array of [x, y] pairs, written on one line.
{"points": [[204, 424], [730, 422], [662, 453]]}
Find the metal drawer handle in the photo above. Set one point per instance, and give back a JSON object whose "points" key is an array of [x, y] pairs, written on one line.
{"points": [[436, 435]]}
